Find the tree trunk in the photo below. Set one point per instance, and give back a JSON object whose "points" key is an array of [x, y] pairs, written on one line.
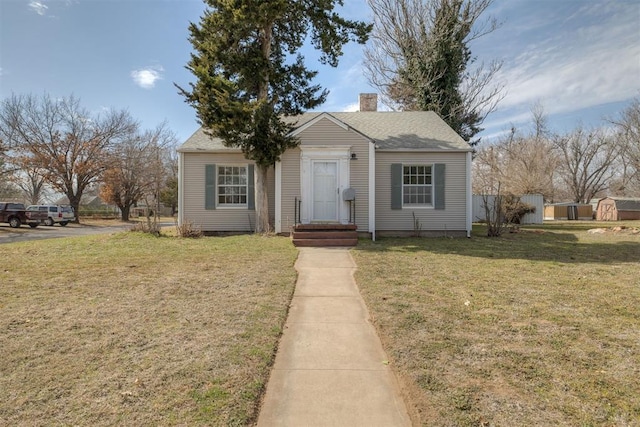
{"points": [[262, 199], [124, 211], [74, 201]]}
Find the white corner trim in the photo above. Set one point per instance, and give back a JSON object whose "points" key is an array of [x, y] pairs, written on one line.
{"points": [[180, 188], [372, 191], [316, 120], [469, 196], [278, 196]]}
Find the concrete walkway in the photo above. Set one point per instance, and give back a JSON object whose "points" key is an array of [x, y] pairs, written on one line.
{"points": [[330, 367]]}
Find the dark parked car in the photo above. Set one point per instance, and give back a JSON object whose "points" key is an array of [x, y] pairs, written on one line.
{"points": [[15, 214]]}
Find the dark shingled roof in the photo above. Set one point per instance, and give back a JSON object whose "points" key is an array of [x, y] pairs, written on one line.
{"points": [[626, 204], [390, 131]]}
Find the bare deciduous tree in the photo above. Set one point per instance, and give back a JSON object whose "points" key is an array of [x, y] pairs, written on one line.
{"points": [[63, 139], [520, 163], [418, 58], [135, 168], [585, 161], [8, 190], [169, 193], [31, 181], [488, 168], [628, 127]]}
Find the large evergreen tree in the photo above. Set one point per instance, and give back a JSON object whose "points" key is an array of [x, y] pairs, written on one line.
{"points": [[250, 73], [420, 59]]}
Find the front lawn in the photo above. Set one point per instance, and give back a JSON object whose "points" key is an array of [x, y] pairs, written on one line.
{"points": [[128, 329], [541, 327]]}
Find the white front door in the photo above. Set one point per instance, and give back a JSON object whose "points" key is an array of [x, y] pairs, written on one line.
{"points": [[325, 191]]}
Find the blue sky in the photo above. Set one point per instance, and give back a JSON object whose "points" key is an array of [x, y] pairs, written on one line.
{"points": [[579, 58]]}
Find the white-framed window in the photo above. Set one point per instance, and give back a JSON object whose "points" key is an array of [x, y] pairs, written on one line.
{"points": [[417, 185], [232, 185]]}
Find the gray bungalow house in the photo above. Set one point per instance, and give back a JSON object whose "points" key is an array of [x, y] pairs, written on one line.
{"points": [[389, 173]]}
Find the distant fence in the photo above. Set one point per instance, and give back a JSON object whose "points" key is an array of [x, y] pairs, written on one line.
{"points": [[568, 211], [531, 218], [98, 213]]}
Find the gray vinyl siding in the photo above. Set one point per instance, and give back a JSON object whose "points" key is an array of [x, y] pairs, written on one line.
{"points": [[327, 133], [220, 219], [452, 217], [290, 188]]}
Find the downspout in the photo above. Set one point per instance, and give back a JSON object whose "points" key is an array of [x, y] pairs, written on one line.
{"points": [[372, 190], [180, 188], [469, 196]]}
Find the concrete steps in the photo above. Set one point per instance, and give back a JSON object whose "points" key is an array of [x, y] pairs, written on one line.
{"points": [[323, 235]]}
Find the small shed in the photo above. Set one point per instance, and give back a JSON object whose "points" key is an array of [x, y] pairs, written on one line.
{"points": [[568, 211], [618, 209]]}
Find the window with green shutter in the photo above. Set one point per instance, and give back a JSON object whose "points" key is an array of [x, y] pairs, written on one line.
{"points": [[439, 188], [229, 186], [417, 185]]}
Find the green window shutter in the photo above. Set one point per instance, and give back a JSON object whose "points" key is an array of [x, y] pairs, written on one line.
{"points": [[210, 186], [438, 178], [251, 191], [396, 186]]}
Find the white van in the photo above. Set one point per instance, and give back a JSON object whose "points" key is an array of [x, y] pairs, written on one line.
{"points": [[60, 214]]}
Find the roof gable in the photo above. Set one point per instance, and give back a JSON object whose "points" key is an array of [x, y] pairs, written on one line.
{"points": [[316, 119]]}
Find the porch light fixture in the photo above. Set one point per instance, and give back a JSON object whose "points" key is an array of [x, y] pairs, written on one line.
{"points": [[354, 156]]}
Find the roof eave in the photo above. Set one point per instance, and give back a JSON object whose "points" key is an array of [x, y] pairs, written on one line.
{"points": [[425, 150], [208, 150]]}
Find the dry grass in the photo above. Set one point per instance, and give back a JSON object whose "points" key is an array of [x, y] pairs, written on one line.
{"points": [[129, 329], [536, 328]]}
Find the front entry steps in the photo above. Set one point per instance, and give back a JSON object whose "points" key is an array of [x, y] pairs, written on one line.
{"points": [[321, 235]]}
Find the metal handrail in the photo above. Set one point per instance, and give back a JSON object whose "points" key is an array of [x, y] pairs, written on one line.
{"points": [[297, 211], [297, 208], [352, 211]]}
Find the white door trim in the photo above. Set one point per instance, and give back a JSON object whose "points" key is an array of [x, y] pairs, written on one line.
{"points": [[309, 153]]}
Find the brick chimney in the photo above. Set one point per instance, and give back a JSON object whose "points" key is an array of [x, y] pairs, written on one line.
{"points": [[368, 102]]}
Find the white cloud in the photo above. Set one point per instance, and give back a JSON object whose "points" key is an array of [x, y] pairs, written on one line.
{"points": [[147, 77], [570, 80], [351, 107], [597, 63], [38, 7]]}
